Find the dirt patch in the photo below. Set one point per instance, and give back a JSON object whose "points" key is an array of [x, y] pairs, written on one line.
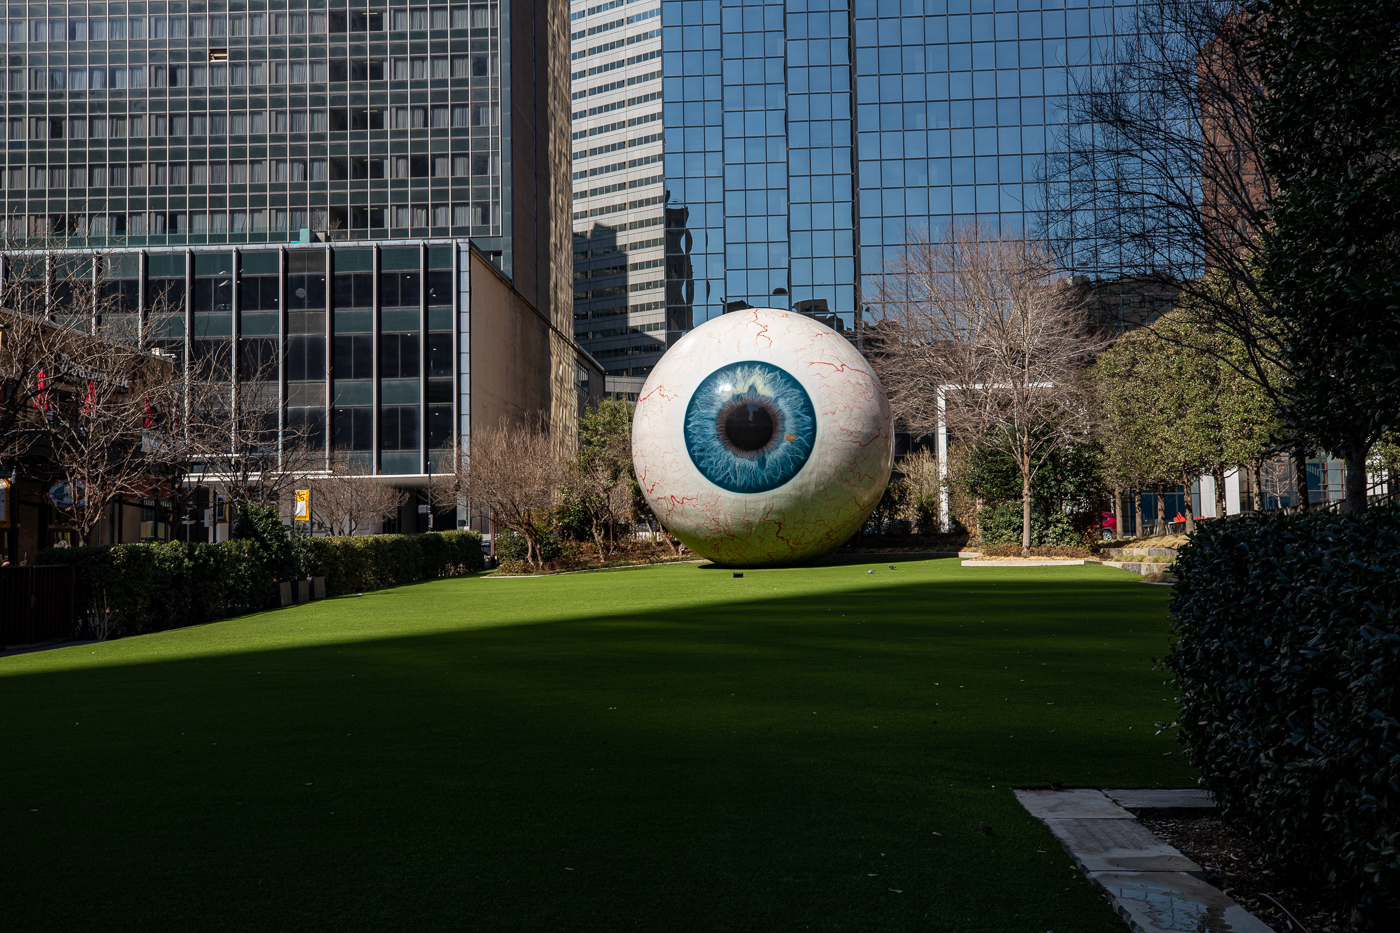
{"points": [[1238, 867]]}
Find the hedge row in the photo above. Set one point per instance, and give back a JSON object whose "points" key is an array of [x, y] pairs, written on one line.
{"points": [[1288, 664], [127, 589]]}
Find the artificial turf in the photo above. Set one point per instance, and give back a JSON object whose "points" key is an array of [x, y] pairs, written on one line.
{"points": [[667, 748]]}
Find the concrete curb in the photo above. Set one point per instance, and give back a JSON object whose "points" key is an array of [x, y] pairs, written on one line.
{"points": [[1152, 886]]}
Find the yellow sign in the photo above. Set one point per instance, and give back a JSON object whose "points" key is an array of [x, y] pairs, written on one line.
{"points": [[302, 511], [4, 503]]}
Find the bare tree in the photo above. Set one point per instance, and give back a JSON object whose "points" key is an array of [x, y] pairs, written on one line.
{"points": [[514, 470], [348, 501], [86, 404], [982, 334]]}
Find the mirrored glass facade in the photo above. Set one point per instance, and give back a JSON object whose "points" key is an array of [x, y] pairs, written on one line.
{"points": [[804, 138]]}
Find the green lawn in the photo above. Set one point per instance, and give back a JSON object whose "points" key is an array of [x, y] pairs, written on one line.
{"points": [[659, 749]]}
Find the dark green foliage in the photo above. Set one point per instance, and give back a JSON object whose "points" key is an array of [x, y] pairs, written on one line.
{"points": [[127, 589], [1330, 73], [1288, 662], [1001, 524], [512, 546], [1071, 478], [893, 503], [261, 526]]}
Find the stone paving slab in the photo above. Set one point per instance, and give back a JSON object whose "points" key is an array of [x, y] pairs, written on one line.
{"points": [[1152, 886], [1023, 562], [1157, 799], [1078, 804], [1117, 845], [1172, 901]]}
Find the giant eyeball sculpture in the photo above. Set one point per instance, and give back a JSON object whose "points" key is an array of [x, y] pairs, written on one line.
{"points": [[762, 438]]}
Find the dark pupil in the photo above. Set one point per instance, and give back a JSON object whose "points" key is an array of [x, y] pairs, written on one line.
{"points": [[749, 427]]}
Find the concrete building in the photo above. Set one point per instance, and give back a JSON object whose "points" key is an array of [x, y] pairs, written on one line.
{"points": [[382, 173], [619, 195]]}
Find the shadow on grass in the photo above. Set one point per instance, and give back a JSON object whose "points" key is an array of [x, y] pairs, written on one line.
{"points": [[806, 760]]}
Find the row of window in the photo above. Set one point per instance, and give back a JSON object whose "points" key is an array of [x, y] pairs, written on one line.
{"points": [[239, 74], [219, 25], [254, 123], [255, 171], [323, 220], [353, 427], [399, 356]]}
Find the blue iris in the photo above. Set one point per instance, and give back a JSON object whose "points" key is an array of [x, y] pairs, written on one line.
{"points": [[750, 427]]}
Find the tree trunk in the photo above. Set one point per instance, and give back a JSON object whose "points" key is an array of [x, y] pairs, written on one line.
{"points": [[1137, 513], [1186, 509], [1219, 477], [1300, 478], [1161, 508], [1117, 512], [1025, 510], [1256, 472], [1356, 477]]}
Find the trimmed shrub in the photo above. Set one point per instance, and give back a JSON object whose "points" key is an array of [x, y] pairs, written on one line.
{"points": [[1001, 524], [127, 589], [1287, 658]]}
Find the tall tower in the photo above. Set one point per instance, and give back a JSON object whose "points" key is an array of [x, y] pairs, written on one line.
{"points": [[619, 194]]}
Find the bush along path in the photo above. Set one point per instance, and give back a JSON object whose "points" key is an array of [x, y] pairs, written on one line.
{"points": [[128, 589], [1288, 660]]}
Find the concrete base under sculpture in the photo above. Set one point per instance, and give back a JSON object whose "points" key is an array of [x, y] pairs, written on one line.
{"points": [[762, 438]]}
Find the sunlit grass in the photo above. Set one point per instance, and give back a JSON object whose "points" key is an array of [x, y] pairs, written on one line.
{"points": [[659, 749]]}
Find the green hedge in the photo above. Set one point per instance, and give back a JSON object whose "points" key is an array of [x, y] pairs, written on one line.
{"points": [[126, 589], [1288, 661], [1001, 524]]}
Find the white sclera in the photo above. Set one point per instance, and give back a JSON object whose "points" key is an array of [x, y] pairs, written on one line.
{"points": [[833, 493]]}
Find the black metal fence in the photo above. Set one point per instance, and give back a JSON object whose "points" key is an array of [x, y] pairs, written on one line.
{"points": [[36, 604]]}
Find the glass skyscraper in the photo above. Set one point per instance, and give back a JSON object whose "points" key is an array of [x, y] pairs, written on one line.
{"points": [[244, 121], [804, 138]]}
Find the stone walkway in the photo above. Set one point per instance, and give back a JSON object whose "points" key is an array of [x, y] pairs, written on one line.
{"points": [[1152, 886]]}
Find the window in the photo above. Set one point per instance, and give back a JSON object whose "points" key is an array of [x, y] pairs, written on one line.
{"points": [[400, 164], [298, 72], [117, 176], [439, 67], [319, 123], [461, 115], [178, 122], [461, 216], [179, 173], [420, 117], [400, 217], [319, 170], [297, 170], [77, 127], [440, 215], [218, 173], [218, 124], [398, 20], [418, 18], [237, 74], [318, 72], [97, 176], [238, 173], [400, 118], [442, 166], [439, 17], [439, 116], [257, 171], [238, 124], [199, 75], [298, 121], [460, 66], [257, 24], [420, 215], [399, 68], [257, 73], [199, 124], [419, 68], [279, 170], [460, 18], [199, 173], [257, 122]]}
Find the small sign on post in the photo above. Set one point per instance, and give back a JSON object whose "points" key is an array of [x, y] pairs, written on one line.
{"points": [[301, 512]]}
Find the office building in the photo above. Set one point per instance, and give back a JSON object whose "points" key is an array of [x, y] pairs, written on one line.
{"points": [[804, 138], [619, 195], [328, 184]]}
